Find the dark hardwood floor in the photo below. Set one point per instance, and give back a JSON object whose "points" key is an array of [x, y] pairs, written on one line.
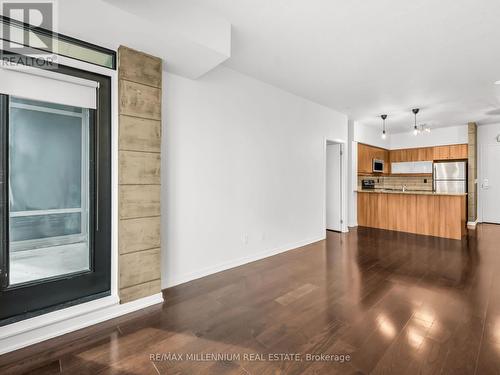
{"points": [[395, 303]]}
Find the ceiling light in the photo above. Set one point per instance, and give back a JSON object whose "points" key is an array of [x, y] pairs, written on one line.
{"points": [[415, 128], [384, 135], [497, 82]]}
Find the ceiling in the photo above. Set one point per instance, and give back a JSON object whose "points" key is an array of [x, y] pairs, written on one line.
{"points": [[365, 58]]}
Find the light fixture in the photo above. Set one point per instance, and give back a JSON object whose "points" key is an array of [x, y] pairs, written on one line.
{"points": [[384, 135], [419, 129], [415, 128], [497, 82]]}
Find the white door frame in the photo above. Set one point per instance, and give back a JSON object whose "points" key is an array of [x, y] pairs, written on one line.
{"points": [[343, 182], [481, 176]]}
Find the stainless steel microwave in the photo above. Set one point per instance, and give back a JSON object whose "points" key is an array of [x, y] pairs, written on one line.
{"points": [[378, 166]]}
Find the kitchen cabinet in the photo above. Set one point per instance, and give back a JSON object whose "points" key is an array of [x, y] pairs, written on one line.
{"points": [[459, 152], [442, 153], [366, 154], [395, 156], [450, 152], [426, 214], [425, 154], [364, 164], [412, 154], [412, 167]]}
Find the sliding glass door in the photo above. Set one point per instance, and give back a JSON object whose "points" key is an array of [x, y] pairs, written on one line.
{"points": [[56, 190], [48, 190]]}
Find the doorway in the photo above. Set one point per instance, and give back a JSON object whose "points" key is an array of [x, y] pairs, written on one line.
{"points": [[334, 209], [490, 183]]}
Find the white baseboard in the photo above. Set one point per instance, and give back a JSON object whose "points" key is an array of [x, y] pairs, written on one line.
{"points": [[34, 330], [181, 279], [472, 224]]}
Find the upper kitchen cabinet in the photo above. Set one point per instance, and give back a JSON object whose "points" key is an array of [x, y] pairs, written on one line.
{"points": [[451, 152], [366, 155], [397, 156], [442, 153], [412, 154], [459, 151], [425, 154]]}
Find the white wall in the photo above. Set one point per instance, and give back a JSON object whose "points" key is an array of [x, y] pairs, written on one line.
{"points": [[243, 172], [486, 135], [370, 135], [437, 137], [353, 177]]}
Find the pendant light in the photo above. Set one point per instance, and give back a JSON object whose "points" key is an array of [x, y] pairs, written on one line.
{"points": [[415, 128], [384, 135]]}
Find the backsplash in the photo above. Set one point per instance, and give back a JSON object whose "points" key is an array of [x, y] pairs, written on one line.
{"points": [[395, 182]]}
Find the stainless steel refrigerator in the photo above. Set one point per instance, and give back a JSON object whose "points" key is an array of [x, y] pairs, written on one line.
{"points": [[450, 177]]}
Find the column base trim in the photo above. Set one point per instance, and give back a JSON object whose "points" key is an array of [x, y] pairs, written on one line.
{"points": [[44, 327]]}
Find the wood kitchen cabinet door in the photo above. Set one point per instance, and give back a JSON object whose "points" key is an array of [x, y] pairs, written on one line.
{"points": [[394, 156], [372, 210], [459, 152], [464, 151], [364, 159], [378, 154], [442, 153], [366, 154], [361, 157], [413, 154], [387, 161], [425, 154], [421, 154], [401, 210], [363, 209], [428, 215], [429, 154], [380, 213], [393, 211]]}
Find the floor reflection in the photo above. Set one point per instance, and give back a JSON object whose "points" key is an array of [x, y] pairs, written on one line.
{"points": [[396, 303]]}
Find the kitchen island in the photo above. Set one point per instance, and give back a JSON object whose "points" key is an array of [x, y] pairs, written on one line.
{"points": [[419, 212]]}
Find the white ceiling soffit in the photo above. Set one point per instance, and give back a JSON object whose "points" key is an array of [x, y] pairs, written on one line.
{"points": [[365, 58], [191, 40]]}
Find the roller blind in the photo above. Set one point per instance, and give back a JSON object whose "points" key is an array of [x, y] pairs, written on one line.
{"points": [[48, 86]]}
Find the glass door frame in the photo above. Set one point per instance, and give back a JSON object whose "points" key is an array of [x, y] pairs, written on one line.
{"points": [[87, 120], [22, 301]]}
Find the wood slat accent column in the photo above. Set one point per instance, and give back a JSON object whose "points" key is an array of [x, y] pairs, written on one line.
{"points": [[472, 166], [140, 92]]}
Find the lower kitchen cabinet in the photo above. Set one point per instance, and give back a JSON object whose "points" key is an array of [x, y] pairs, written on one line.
{"points": [[427, 214]]}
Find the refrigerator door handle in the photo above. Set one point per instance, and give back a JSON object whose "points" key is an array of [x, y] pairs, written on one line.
{"points": [[434, 177]]}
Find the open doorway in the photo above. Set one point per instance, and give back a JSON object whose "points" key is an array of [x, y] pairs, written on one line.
{"points": [[334, 210], [490, 183]]}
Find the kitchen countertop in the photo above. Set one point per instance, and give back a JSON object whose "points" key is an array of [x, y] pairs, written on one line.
{"points": [[409, 192]]}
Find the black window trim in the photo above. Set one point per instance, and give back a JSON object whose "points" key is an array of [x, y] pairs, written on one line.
{"points": [[98, 280], [66, 38]]}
